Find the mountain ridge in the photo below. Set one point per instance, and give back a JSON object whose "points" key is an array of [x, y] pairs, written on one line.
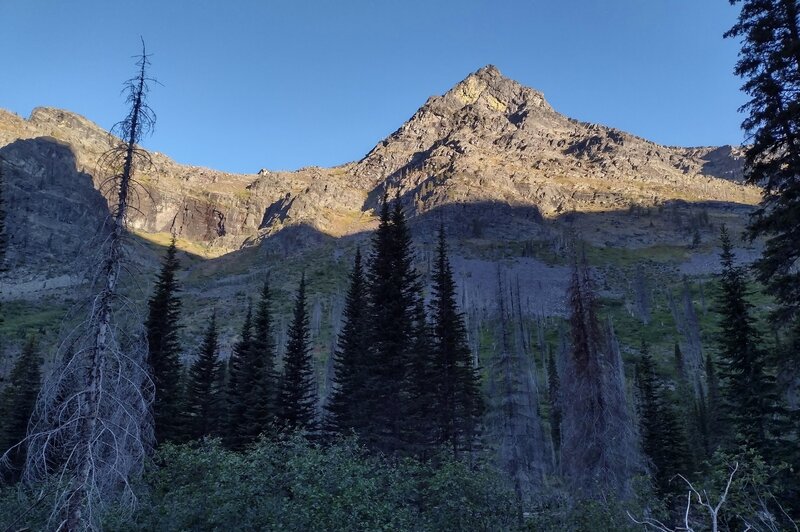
{"points": [[488, 141]]}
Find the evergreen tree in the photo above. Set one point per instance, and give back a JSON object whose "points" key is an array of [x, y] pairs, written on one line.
{"points": [[393, 289], [749, 392], [16, 405], [423, 392], [345, 408], [712, 406], [553, 385], [701, 425], [298, 388], [203, 416], [769, 63], [164, 348], [261, 390], [458, 401], [239, 375], [663, 439]]}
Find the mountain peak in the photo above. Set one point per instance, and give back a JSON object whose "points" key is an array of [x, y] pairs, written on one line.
{"points": [[490, 138], [488, 71], [499, 93]]}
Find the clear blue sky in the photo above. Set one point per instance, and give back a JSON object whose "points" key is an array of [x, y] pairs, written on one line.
{"points": [[283, 84]]}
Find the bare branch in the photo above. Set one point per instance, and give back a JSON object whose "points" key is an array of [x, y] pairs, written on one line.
{"points": [[91, 428]]}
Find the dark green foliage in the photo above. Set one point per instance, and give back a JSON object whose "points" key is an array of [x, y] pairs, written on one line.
{"points": [[298, 393], [203, 405], [238, 377], [295, 486], [164, 348], [553, 385], [757, 497], [345, 408], [260, 391], [749, 390], [663, 438], [393, 289], [700, 424], [16, 405], [584, 515], [769, 63], [713, 406], [424, 420], [457, 400]]}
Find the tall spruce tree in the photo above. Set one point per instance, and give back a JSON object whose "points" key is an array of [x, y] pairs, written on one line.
{"points": [[203, 408], [261, 390], [423, 390], [17, 401], [164, 348], [663, 438], [458, 400], [345, 407], [393, 288], [749, 389], [239, 376], [769, 63], [298, 393]]}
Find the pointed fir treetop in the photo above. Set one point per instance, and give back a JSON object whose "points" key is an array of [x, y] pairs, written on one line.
{"points": [[298, 388], [239, 382], [163, 341], [349, 363], [261, 340], [203, 409], [260, 380], [241, 348]]}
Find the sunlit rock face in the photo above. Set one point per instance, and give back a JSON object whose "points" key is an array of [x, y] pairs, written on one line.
{"points": [[489, 157]]}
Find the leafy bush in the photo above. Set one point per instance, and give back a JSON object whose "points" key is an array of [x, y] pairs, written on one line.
{"points": [[294, 485]]}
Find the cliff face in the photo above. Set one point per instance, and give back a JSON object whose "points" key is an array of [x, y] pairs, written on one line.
{"points": [[489, 144], [491, 139]]}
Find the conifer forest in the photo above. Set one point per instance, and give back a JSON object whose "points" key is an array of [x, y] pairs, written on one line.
{"points": [[421, 340]]}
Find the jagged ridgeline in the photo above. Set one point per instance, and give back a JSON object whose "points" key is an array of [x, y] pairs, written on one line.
{"points": [[521, 192]]}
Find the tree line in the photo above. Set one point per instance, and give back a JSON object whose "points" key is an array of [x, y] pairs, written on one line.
{"points": [[405, 382], [403, 376]]}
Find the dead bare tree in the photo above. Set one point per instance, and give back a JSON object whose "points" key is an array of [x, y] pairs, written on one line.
{"points": [[91, 429], [599, 449], [761, 520], [514, 419], [688, 326]]}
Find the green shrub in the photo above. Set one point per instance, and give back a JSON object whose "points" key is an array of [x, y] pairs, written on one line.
{"points": [[294, 485]]}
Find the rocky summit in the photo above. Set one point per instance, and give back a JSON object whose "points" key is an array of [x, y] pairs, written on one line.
{"points": [[490, 158]]}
